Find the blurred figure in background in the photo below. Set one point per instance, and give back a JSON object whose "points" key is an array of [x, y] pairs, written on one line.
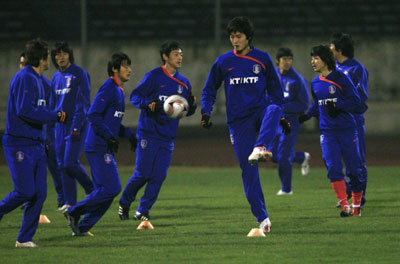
{"points": [[71, 85], [105, 117], [23, 140], [49, 137], [342, 46], [297, 101]]}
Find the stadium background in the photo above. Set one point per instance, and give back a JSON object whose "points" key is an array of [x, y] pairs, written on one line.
{"points": [[96, 29]]}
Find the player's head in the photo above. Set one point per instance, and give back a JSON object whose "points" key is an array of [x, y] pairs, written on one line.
{"points": [[322, 56], [62, 55], [342, 42], [120, 66], [37, 53], [22, 60], [284, 59], [242, 25], [171, 54]]}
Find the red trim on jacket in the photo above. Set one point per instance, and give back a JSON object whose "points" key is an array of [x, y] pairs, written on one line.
{"points": [[249, 58], [173, 78], [322, 78], [117, 82]]}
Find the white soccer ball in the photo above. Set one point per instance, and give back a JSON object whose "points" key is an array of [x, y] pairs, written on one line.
{"points": [[176, 106]]}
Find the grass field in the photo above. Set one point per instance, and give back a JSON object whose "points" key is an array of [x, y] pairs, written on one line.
{"points": [[202, 216]]}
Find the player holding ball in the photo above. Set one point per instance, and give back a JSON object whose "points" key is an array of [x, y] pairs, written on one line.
{"points": [[156, 130]]}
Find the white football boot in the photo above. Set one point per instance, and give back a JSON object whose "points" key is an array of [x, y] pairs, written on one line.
{"points": [[280, 192], [28, 244], [265, 225], [305, 166], [260, 153]]}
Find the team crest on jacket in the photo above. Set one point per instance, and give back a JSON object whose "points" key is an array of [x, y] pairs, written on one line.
{"points": [[256, 68], [19, 156], [143, 143], [321, 139], [107, 158], [332, 89], [232, 139], [180, 89]]}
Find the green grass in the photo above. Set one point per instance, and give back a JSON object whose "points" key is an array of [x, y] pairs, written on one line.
{"points": [[202, 216]]}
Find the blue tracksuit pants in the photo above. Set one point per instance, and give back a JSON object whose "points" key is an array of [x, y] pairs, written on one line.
{"points": [[343, 144], [28, 170], [243, 134], [362, 145], [107, 187], [153, 158], [69, 152], [282, 148], [55, 171]]}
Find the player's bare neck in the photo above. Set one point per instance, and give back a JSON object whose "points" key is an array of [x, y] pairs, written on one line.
{"points": [[342, 59], [38, 69], [325, 72], [65, 67], [244, 51], [171, 70]]}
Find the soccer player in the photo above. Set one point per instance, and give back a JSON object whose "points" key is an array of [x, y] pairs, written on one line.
{"points": [[248, 74], [156, 131], [49, 138], [342, 46], [297, 100], [23, 140], [337, 100], [105, 117], [71, 85]]}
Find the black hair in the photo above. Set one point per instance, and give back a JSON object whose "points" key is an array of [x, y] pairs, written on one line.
{"points": [[283, 52], [326, 55], [243, 25], [35, 51], [117, 60], [343, 42], [61, 46], [167, 47]]}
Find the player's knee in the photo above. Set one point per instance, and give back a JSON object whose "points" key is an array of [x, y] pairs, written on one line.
{"points": [[27, 195], [273, 109], [114, 190]]}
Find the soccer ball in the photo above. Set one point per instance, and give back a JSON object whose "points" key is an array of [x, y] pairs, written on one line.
{"points": [[176, 106]]}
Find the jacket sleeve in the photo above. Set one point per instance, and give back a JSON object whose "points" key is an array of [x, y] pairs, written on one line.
{"points": [[144, 94], [210, 89], [27, 102], [82, 102], [351, 100], [313, 111], [97, 111], [125, 132], [274, 85], [301, 99]]}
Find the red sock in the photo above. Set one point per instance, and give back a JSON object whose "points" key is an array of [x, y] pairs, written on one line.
{"points": [[357, 197], [340, 189]]}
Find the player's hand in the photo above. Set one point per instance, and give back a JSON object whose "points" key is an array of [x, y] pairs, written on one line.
{"points": [[61, 116], [47, 149], [113, 144], [192, 105], [286, 127], [133, 140], [333, 109], [75, 135], [156, 106], [303, 118], [205, 121]]}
